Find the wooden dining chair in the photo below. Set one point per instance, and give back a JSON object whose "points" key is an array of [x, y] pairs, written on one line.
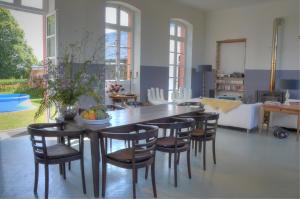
{"points": [[59, 153], [175, 140], [139, 154], [206, 128]]}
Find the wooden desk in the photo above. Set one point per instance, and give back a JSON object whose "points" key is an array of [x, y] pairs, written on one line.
{"points": [[124, 118], [293, 109], [122, 98]]}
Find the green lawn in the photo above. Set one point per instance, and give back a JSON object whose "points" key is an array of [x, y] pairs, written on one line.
{"points": [[20, 119]]}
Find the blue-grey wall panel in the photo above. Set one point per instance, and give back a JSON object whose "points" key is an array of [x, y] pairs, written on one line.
{"points": [[259, 80], [154, 76]]}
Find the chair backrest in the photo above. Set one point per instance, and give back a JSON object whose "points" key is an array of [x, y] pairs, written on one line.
{"points": [[142, 137], [162, 97], [179, 128], [211, 123], [206, 121], [154, 97], [157, 94], [149, 95], [39, 132]]}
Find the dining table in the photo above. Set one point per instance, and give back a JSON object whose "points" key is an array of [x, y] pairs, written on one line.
{"points": [[121, 118]]}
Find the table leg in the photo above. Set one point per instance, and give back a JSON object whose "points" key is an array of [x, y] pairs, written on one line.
{"points": [[262, 120], [94, 139]]}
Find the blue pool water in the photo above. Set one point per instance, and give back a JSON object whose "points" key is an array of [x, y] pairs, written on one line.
{"points": [[14, 102]]}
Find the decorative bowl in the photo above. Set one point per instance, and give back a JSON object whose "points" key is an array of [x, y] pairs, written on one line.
{"points": [[96, 122]]}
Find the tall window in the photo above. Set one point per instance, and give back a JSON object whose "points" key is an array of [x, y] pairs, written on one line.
{"points": [[51, 37], [118, 42], [177, 56]]}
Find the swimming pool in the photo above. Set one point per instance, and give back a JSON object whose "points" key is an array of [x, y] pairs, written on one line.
{"points": [[14, 102]]}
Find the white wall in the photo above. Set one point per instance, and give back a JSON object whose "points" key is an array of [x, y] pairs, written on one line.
{"points": [[76, 16], [255, 23], [76, 19]]}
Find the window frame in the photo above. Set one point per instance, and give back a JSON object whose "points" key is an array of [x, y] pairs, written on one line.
{"points": [[54, 35], [119, 28], [17, 5], [175, 64]]}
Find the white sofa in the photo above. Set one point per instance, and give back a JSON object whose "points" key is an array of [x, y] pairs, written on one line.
{"points": [[246, 116]]}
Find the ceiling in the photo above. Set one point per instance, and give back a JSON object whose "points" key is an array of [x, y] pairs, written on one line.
{"points": [[210, 5]]}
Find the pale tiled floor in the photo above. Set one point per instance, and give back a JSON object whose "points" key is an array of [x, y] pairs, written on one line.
{"points": [[248, 166]]}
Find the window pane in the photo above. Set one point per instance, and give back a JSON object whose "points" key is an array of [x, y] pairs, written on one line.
{"points": [[123, 70], [51, 47], [124, 55], [180, 59], [171, 61], [110, 54], [50, 25], [172, 45], [33, 3], [171, 83], [111, 15], [180, 31], [125, 39], [171, 71], [110, 37], [124, 18], [180, 47], [8, 1], [172, 29]]}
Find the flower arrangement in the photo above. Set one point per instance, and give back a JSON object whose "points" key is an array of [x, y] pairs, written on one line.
{"points": [[115, 88], [65, 84]]}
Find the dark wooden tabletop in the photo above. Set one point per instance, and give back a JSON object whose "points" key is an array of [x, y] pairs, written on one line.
{"points": [[139, 115]]}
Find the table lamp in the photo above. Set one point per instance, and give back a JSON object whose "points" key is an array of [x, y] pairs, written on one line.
{"points": [[203, 69], [289, 84]]}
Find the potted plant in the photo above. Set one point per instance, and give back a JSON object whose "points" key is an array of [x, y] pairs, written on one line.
{"points": [[65, 86]]}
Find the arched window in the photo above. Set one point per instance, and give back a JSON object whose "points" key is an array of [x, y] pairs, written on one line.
{"points": [[177, 55], [119, 42]]}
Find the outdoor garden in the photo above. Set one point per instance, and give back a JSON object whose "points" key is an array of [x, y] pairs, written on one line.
{"points": [[16, 75]]}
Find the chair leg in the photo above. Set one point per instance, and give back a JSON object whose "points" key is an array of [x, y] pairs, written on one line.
{"points": [[69, 144], [200, 146], [175, 169], [153, 179], [36, 177], [146, 172], [103, 179], [188, 159], [204, 155], [133, 182], [82, 175], [46, 181], [105, 145], [196, 145], [60, 169], [136, 175], [192, 144], [214, 150], [110, 145], [64, 170], [178, 158], [170, 159]]}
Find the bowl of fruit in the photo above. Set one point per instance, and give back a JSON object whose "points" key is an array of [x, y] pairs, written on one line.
{"points": [[96, 115]]}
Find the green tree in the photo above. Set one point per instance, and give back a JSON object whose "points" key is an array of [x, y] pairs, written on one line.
{"points": [[16, 57]]}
